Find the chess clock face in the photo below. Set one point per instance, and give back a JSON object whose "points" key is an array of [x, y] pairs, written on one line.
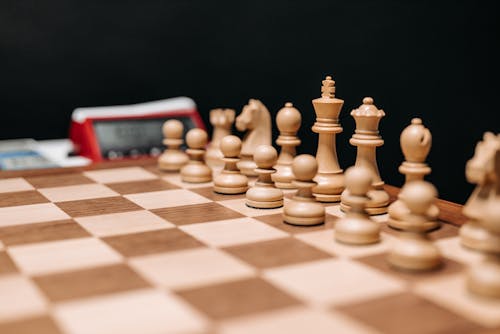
{"points": [[120, 132]]}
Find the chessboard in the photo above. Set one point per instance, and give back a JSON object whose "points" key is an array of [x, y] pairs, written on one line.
{"points": [[124, 248]]}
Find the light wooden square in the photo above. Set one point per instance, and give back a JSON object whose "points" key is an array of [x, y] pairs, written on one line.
{"points": [[62, 255], [333, 282], [14, 184], [176, 179], [116, 175], [191, 268], [35, 213], [19, 298], [78, 192], [123, 223], [166, 199], [233, 232], [240, 206], [451, 293], [325, 240], [141, 311], [453, 249], [294, 320]]}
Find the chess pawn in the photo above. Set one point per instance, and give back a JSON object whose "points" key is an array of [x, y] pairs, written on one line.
{"points": [[330, 177], [414, 251], [230, 181], [264, 195], [484, 278], [357, 227], [416, 142], [303, 209], [222, 120], [288, 121], [196, 171], [366, 138], [172, 159]]}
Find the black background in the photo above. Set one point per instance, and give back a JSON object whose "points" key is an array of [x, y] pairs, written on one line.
{"points": [[433, 59]]}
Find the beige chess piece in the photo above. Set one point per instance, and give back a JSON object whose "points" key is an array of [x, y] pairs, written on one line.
{"points": [[256, 120], [356, 227], [480, 170], [303, 209], [330, 178], [173, 158], [484, 278], [264, 195], [230, 181], [288, 121], [196, 171], [416, 141], [222, 120], [414, 251], [367, 139]]}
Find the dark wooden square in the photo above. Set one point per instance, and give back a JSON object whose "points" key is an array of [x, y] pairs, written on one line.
{"points": [[196, 213]]}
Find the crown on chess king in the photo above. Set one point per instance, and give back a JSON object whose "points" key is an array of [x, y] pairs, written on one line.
{"points": [[327, 108]]}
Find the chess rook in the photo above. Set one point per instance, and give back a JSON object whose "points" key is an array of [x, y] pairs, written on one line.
{"points": [[288, 121], [303, 209], [330, 179], [222, 120], [415, 142], [256, 120], [196, 171], [480, 170], [172, 159], [356, 227], [414, 251], [230, 181], [264, 195], [366, 138]]}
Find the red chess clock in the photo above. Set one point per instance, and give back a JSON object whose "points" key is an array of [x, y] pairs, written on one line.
{"points": [[130, 131]]}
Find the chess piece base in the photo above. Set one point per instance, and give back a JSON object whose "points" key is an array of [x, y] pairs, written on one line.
{"points": [[247, 166], [414, 253], [329, 188], [283, 177], [196, 173], [282, 185], [378, 204], [303, 213], [357, 230], [264, 205], [398, 210], [172, 161], [476, 237], [230, 190], [483, 279]]}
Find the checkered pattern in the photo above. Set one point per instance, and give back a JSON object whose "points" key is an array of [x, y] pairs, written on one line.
{"points": [[132, 250]]}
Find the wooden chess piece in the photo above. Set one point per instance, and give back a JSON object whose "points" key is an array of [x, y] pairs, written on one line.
{"points": [[480, 170], [414, 251], [366, 138], [230, 181], [415, 142], [330, 179], [303, 209], [196, 171], [357, 227], [264, 195], [256, 120], [172, 159], [222, 120], [288, 121], [484, 278]]}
